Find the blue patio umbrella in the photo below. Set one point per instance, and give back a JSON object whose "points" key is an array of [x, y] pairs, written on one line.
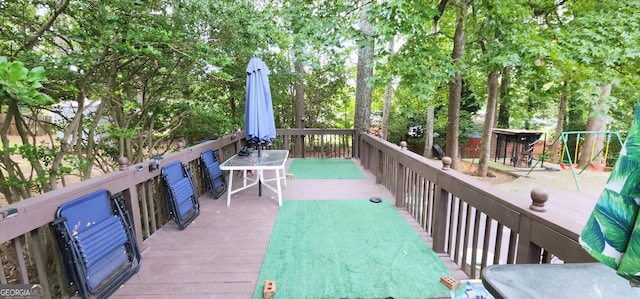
{"points": [[259, 126]]}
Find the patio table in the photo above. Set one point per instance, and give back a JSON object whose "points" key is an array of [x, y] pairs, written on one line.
{"points": [[579, 280], [258, 161]]}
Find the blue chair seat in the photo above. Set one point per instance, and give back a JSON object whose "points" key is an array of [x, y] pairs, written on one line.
{"points": [[101, 239]]}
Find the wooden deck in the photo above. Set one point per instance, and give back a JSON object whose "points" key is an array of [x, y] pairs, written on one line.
{"points": [[221, 253]]}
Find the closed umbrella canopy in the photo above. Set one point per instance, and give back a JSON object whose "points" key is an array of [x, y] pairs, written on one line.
{"points": [[259, 126], [612, 233]]}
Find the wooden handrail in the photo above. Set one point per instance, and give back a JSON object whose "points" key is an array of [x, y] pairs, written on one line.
{"points": [[468, 218]]}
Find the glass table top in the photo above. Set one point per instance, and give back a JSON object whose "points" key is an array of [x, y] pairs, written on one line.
{"points": [[263, 159], [583, 280]]}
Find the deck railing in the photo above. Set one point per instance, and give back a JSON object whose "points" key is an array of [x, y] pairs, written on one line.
{"points": [[316, 143], [27, 249], [453, 208], [474, 223]]}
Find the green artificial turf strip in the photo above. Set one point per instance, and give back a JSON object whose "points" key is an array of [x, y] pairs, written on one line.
{"points": [[348, 249], [325, 168]]}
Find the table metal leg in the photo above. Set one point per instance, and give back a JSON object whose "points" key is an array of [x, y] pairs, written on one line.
{"points": [[260, 180], [244, 177], [230, 188], [284, 176], [279, 187]]}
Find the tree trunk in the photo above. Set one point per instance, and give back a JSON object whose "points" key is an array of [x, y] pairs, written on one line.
{"points": [[562, 110], [502, 121], [455, 87], [11, 169], [385, 111], [428, 137], [298, 107], [365, 71], [485, 143], [388, 93], [593, 143]]}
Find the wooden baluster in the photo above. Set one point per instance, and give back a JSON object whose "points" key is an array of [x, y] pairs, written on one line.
{"points": [[3, 276], [38, 256], [22, 267], [152, 206], [145, 209]]}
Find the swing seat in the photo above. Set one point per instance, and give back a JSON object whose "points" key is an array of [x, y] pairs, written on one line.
{"points": [[567, 167]]}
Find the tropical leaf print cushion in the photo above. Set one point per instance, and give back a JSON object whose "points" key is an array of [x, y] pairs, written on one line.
{"points": [[612, 233]]}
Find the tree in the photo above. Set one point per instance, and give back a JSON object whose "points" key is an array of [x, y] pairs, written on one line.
{"points": [[485, 144], [145, 67], [495, 30], [455, 86], [365, 72], [388, 93], [19, 89], [562, 110], [597, 42]]}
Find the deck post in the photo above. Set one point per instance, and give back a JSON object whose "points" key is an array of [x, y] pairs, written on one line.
{"points": [[238, 143], [363, 154], [133, 205], [353, 142], [374, 164], [356, 145], [440, 210], [527, 252], [285, 136]]}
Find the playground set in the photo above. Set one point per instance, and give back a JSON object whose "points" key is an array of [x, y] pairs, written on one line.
{"points": [[518, 146], [566, 154]]}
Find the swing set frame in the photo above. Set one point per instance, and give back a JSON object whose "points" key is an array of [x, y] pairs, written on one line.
{"points": [[563, 137]]}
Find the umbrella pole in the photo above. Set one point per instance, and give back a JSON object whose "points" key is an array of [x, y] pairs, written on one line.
{"points": [[261, 174]]}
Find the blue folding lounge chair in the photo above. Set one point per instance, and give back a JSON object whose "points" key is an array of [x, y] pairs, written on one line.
{"points": [[96, 239], [182, 199], [214, 178]]}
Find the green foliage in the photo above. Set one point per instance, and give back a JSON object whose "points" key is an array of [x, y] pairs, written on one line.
{"points": [[202, 124], [327, 97], [41, 153], [17, 83], [167, 70]]}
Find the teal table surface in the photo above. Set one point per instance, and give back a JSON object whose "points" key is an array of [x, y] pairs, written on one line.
{"points": [[584, 280]]}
